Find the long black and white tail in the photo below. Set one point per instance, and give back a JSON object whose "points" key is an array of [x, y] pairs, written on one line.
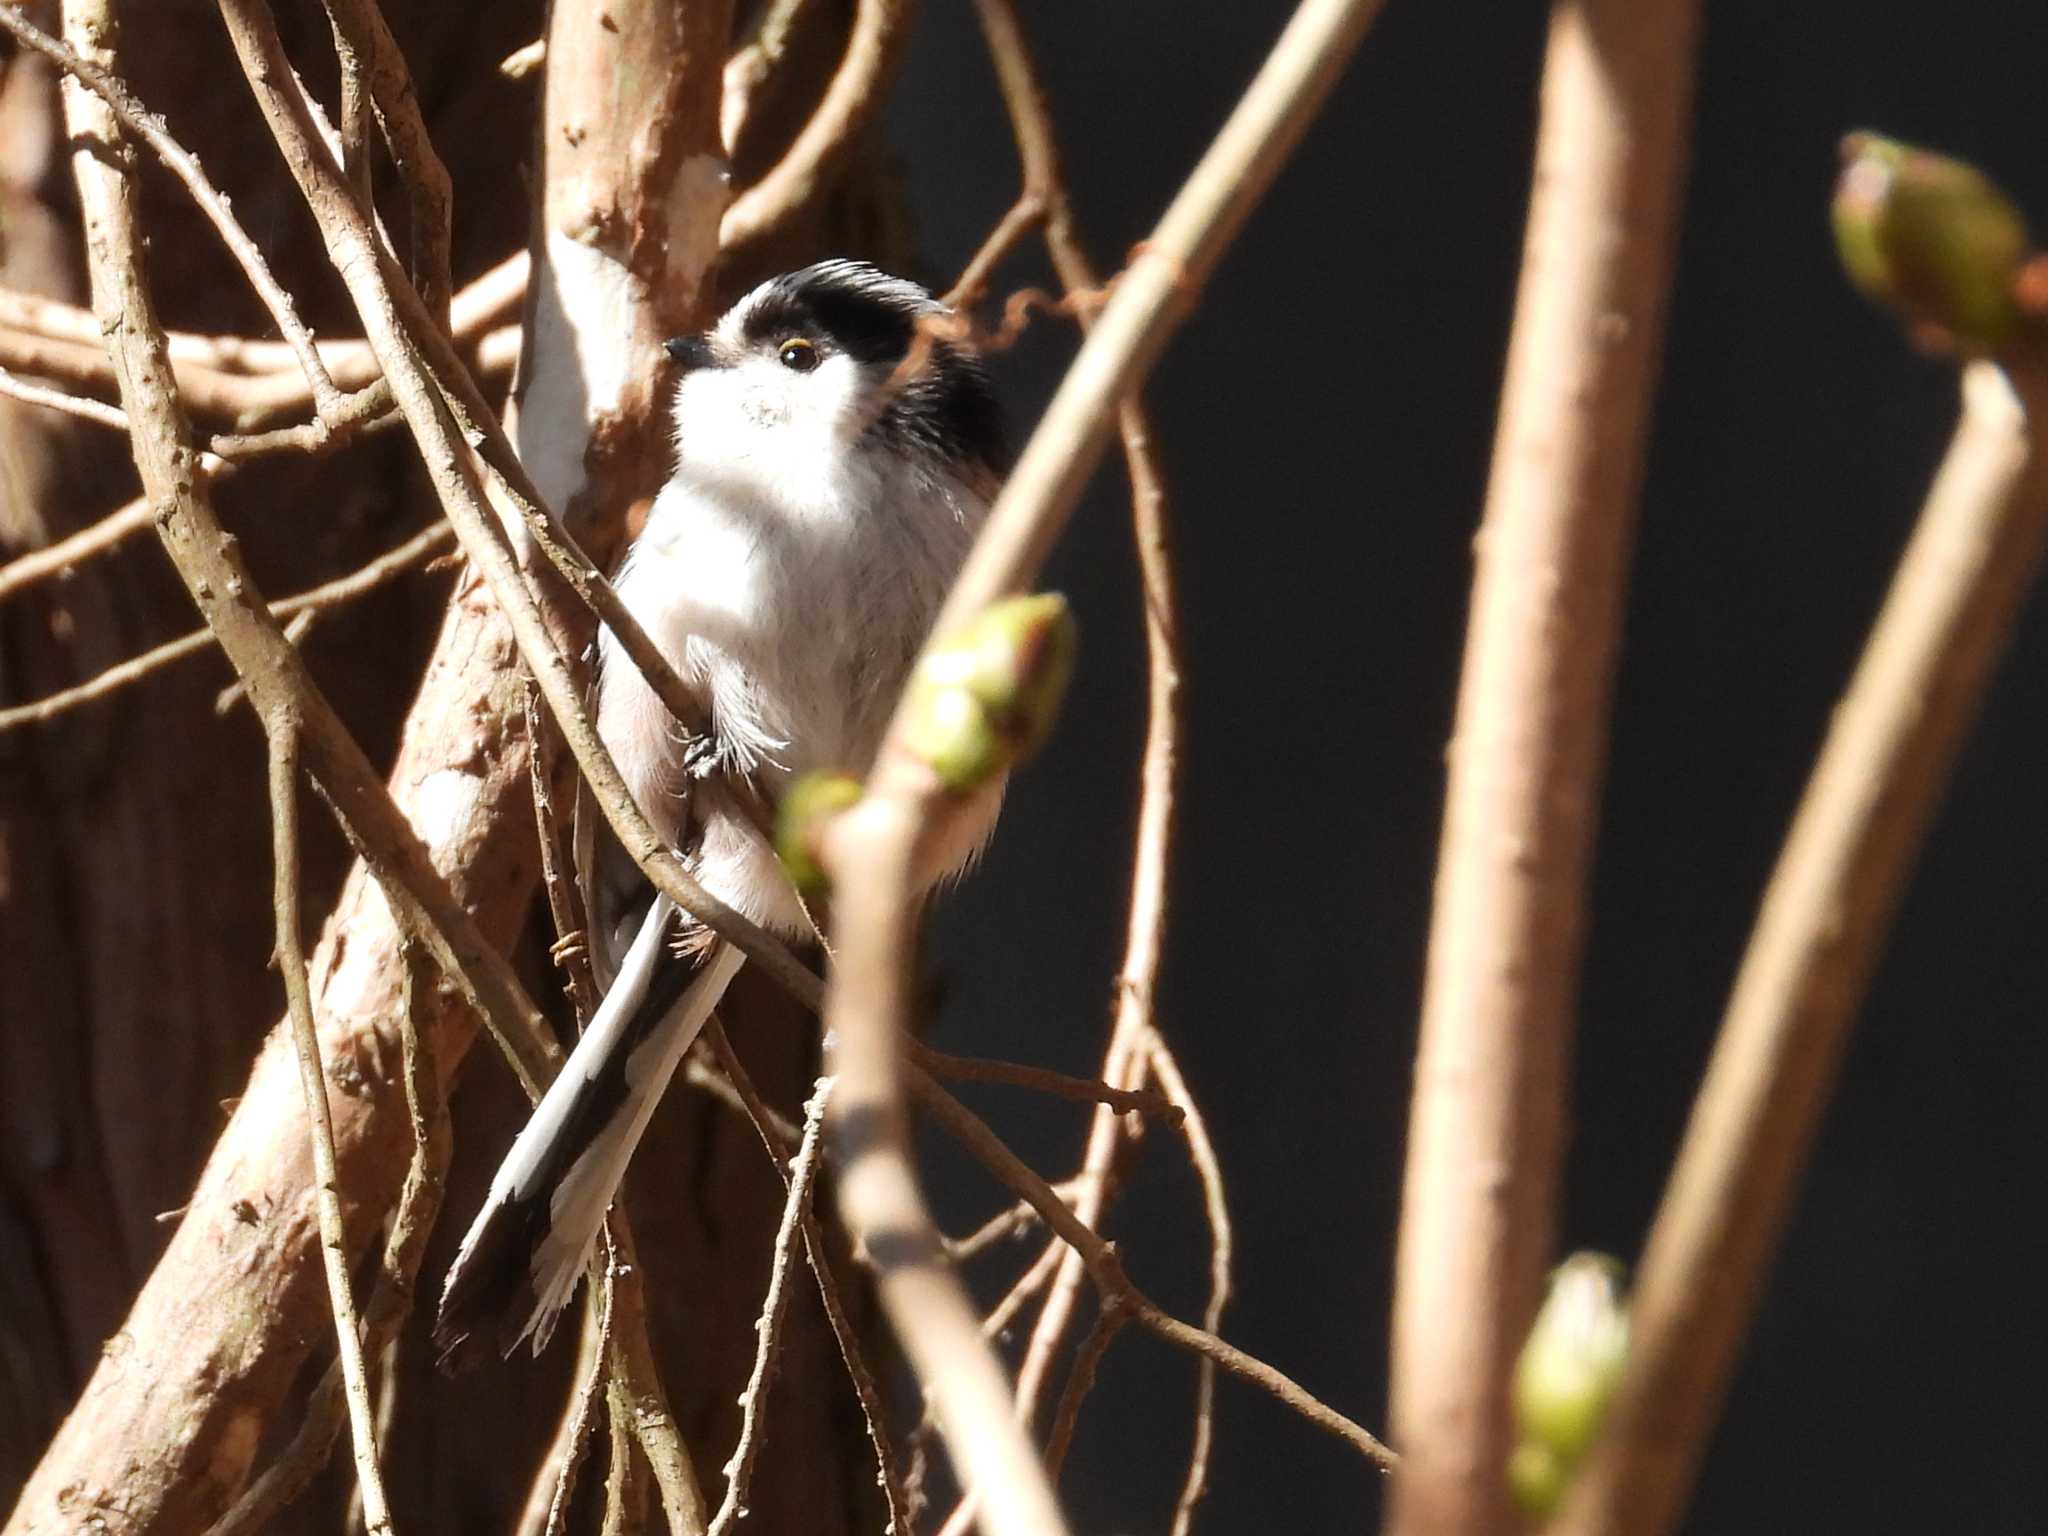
{"points": [[519, 1264]]}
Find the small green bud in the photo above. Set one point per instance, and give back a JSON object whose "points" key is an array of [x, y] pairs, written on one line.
{"points": [[812, 801], [1537, 1478], [1567, 1374], [1933, 238], [985, 698]]}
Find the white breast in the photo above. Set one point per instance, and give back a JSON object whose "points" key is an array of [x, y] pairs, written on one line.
{"points": [[795, 612]]}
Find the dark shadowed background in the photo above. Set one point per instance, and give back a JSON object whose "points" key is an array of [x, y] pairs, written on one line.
{"points": [[1326, 421]]}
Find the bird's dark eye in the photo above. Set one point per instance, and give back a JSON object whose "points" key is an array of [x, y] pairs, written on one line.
{"points": [[798, 354]]}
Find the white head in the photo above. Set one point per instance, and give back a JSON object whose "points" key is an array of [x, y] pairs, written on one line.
{"points": [[799, 379]]}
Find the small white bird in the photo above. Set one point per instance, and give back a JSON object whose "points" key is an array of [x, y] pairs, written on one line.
{"points": [[832, 467]]}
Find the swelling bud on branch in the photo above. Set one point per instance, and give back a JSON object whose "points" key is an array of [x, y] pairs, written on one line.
{"points": [[1566, 1376], [1932, 238], [812, 801], [983, 700]]}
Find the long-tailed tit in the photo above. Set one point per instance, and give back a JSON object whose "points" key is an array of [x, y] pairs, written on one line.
{"points": [[834, 458]]}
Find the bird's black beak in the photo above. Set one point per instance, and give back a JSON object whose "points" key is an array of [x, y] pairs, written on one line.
{"points": [[688, 352]]}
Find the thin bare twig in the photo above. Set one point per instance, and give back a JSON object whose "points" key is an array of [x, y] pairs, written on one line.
{"points": [[571, 949], [636, 1390], [96, 411], [1153, 295], [291, 959], [361, 33], [181, 163], [593, 1388], [1977, 550], [774, 1307], [880, 28], [421, 546], [781, 1141], [1106, 1269], [495, 355], [996, 1324], [1082, 1090], [1209, 1169], [412, 1222], [1528, 749], [1080, 1382], [872, 849]]}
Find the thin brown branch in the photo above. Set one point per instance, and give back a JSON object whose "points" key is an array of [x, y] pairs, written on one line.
{"points": [[1045, 197], [1080, 1382], [1528, 749], [1216, 1207], [1890, 744], [360, 25], [1153, 295], [283, 732], [354, 115], [496, 355], [702, 1069], [636, 1389], [1013, 1221], [1106, 1269], [412, 1221], [483, 305], [96, 411], [1024, 216], [880, 28], [1081, 1090], [396, 562], [182, 164], [592, 1389], [571, 950], [781, 1140], [774, 1307], [1036, 1277]]}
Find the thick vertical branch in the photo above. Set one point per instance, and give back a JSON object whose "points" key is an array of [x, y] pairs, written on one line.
{"points": [[1976, 551], [632, 188], [1527, 752]]}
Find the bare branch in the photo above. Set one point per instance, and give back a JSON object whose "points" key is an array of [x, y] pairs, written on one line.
{"points": [[360, 26], [1116, 1287], [291, 959], [138, 120], [1081, 1090], [780, 1146], [1080, 1382], [333, 594], [636, 1388], [412, 1222], [880, 28], [1153, 295], [1209, 1168], [768, 1328], [583, 1408], [1526, 755], [96, 411], [1976, 551]]}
